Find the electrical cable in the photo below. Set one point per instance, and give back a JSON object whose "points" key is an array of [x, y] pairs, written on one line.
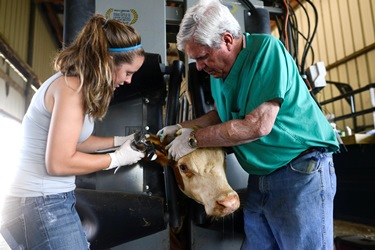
{"points": [[307, 38], [309, 42], [286, 25], [294, 34], [250, 6], [277, 21]]}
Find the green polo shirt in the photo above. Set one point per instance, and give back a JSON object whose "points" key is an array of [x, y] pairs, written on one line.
{"points": [[265, 71]]}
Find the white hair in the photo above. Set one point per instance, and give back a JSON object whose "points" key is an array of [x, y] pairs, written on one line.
{"points": [[206, 2], [206, 22]]}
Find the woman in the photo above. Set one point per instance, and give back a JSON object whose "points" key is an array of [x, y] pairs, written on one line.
{"points": [[39, 210]]}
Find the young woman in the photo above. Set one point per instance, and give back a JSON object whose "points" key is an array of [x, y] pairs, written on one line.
{"points": [[39, 210]]}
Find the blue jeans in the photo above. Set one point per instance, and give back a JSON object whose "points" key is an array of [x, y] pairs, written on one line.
{"points": [[292, 208], [46, 222]]}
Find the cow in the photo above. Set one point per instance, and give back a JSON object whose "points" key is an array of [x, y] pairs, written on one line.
{"points": [[201, 176], [111, 218]]}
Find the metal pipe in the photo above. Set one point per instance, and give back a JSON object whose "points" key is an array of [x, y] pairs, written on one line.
{"points": [[76, 15]]}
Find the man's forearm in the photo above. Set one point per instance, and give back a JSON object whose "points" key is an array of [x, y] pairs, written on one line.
{"points": [[224, 135], [208, 119], [255, 125]]}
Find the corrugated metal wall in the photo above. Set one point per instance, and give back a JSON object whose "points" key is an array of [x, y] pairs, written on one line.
{"points": [[14, 29], [14, 25], [44, 48], [345, 42], [19, 32]]}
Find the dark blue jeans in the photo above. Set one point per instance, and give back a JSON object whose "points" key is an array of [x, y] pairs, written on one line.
{"points": [[46, 222], [292, 208]]}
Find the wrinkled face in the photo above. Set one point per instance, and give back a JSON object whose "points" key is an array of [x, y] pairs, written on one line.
{"points": [[201, 176], [213, 61], [123, 73]]}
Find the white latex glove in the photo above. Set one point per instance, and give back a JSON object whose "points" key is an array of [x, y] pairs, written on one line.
{"points": [[125, 155], [168, 132], [119, 140], [179, 147]]}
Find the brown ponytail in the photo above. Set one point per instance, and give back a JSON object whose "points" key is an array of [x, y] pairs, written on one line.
{"points": [[89, 59]]}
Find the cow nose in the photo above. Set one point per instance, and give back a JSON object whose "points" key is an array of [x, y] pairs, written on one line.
{"points": [[230, 202]]}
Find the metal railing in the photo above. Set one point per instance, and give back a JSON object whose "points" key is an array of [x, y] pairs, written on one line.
{"points": [[349, 95]]}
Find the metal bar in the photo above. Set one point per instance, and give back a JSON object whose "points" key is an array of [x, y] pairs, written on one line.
{"points": [[171, 115], [357, 91], [351, 56], [372, 97], [362, 112], [76, 14], [350, 95], [11, 82], [352, 109], [248, 4], [17, 62]]}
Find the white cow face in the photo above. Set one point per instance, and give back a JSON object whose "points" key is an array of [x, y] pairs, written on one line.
{"points": [[201, 176]]}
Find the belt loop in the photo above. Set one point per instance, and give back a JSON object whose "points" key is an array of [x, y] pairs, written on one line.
{"points": [[23, 201], [323, 150], [311, 150]]}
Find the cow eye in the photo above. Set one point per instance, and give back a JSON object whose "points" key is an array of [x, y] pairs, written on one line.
{"points": [[184, 168]]}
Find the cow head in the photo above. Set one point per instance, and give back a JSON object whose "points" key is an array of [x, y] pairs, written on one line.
{"points": [[201, 176]]}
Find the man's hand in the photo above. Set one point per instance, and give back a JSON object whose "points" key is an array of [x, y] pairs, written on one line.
{"points": [[179, 147], [168, 132]]}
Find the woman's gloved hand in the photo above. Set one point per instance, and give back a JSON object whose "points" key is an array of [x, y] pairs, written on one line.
{"points": [[125, 155], [119, 140], [168, 132]]}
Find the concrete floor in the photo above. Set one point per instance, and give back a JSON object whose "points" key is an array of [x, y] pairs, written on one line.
{"points": [[342, 228], [3, 244]]}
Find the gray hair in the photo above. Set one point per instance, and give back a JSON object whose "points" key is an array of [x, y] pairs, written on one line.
{"points": [[206, 22]]}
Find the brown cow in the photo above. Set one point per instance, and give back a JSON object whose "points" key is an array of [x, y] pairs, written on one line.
{"points": [[201, 176]]}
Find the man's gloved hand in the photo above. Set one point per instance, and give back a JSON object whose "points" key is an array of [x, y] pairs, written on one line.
{"points": [[179, 147], [125, 155], [119, 140], [168, 132]]}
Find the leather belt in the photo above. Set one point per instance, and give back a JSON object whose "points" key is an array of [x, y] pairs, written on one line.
{"points": [[307, 151], [310, 150]]}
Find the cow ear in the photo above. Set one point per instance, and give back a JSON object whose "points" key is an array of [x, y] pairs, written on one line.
{"points": [[156, 140], [162, 154], [162, 160]]}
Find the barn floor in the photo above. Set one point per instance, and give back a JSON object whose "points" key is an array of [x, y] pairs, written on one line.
{"points": [[344, 228], [3, 244], [352, 236]]}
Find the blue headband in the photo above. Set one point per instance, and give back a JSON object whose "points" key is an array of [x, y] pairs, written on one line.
{"points": [[124, 49]]}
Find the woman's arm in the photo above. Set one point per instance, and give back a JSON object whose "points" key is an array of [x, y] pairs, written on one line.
{"points": [[94, 143], [66, 107]]}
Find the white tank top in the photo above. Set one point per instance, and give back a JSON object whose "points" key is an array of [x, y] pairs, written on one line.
{"points": [[31, 178]]}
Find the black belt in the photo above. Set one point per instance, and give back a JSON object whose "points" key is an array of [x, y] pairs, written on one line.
{"points": [[310, 150]]}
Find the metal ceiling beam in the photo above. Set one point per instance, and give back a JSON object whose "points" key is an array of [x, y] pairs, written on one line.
{"points": [[51, 10], [54, 22], [22, 67]]}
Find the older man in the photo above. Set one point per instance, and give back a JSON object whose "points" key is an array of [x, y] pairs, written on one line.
{"points": [[279, 135]]}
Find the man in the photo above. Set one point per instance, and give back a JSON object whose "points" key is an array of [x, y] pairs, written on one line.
{"points": [[279, 135]]}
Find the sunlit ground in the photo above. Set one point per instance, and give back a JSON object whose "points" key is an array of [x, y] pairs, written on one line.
{"points": [[9, 139], [9, 133]]}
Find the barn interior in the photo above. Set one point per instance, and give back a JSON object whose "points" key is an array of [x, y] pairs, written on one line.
{"points": [[333, 44]]}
